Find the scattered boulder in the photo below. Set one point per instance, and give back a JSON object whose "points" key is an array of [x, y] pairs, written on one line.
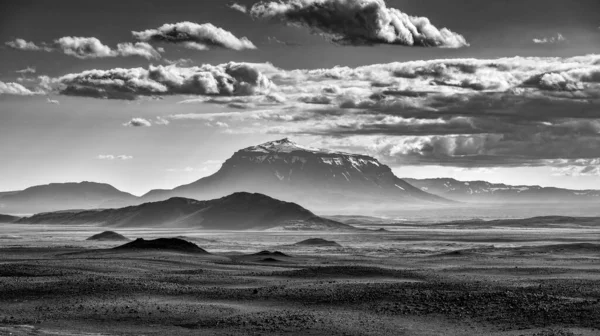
{"points": [[166, 244], [318, 242], [108, 236]]}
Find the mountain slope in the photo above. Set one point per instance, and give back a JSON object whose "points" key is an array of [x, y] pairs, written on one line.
{"points": [[61, 196], [7, 218], [482, 191], [318, 179], [238, 211]]}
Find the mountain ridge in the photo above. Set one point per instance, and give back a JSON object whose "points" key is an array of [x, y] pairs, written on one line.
{"points": [[238, 211], [484, 191], [61, 196]]}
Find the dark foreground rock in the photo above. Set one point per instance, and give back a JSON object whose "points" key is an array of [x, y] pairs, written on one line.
{"points": [[168, 244]]}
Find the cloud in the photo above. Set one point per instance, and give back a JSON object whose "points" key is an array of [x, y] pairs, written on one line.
{"points": [[52, 101], [138, 122], [28, 70], [558, 38], [182, 62], [15, 89], [161, 121], [358, 22], [89, 47], [141, 49], [21, 44], [194, 36], [113, 157], [275, 40], [470, 113], [239, 8], [83, 47], [231, 79]]}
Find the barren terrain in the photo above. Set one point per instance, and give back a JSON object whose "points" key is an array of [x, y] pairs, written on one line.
{"points": [[406, 280]]}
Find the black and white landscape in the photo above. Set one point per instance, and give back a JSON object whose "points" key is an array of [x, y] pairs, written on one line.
{"points": [[300, 167]]}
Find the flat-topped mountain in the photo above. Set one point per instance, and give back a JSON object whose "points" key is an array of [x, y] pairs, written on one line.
{"points": [[238, 211], [61, 196], [482, 191], [318, 179]]}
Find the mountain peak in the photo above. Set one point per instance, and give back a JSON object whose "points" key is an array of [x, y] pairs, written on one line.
{"points": [[284, 145]]}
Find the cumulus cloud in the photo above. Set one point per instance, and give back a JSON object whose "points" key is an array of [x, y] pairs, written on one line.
{"points": [[358, 22], [231, 79], [194, 36], [138, 122], [558, 38], [114, 157], [456, 112], [21, 44], [15, 89], [89, 47], [83, 47]]}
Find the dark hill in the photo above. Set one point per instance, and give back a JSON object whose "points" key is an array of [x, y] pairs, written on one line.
{"points": [[61, 196], [167, 244], [271, 254], [238, 211], [318, 242], [108, 236], [8, 218]]}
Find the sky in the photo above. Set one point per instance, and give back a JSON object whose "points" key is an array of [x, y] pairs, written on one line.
{"points": [[153, 94]]}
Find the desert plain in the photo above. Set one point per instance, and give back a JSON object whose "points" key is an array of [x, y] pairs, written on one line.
{"points": [[467, 278]]}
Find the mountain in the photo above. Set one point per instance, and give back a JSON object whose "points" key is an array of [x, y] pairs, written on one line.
{"points": [[482, 191], [61, 196], [318, 179], [7, 218], [238, 211]]}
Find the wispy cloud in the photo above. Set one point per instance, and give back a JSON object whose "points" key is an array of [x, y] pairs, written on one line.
{"points": [[88, 47], [52, 101], [239, 8], [28, 70], [558, 38], [114, 157]]}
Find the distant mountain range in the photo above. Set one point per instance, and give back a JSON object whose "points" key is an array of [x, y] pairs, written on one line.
{"points": [[482, 191], [320, 180], [238, 211], [61, 196]]}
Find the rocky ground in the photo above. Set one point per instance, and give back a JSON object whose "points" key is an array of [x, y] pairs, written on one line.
{"points": [[76, 290]]}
